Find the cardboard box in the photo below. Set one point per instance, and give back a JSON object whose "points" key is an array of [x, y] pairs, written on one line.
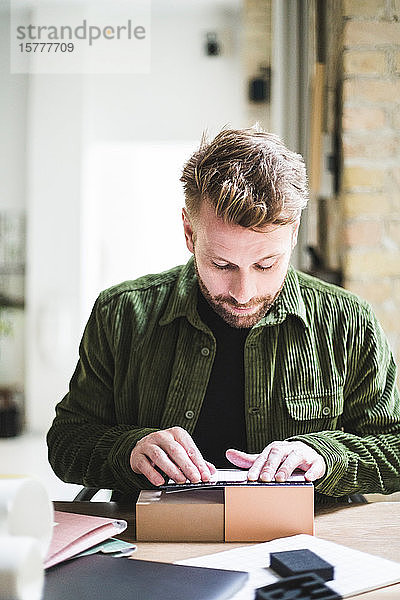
{"points": [[238, 513], [196, 515]]}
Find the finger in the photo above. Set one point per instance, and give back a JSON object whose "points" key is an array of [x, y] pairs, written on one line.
{"points": [[169, 455], [261, 466], [175, 464], [276, 455], [213, 471], [268, 461], [161, 460], [293, 460], [197, 467], [142, 465], [178, 455], [212, 468], [240, 459], [316, 470]]}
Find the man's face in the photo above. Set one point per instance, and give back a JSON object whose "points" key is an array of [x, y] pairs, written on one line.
{"points": [[240, 271]]}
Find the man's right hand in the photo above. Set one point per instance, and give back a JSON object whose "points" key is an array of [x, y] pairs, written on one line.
{"points": [[174, 452]]}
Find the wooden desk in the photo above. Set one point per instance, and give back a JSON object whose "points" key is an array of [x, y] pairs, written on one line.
{"points": [[373, 528]]}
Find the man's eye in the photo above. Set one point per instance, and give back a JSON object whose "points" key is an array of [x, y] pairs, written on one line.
{"points": [[221, 267], [263, 268]]}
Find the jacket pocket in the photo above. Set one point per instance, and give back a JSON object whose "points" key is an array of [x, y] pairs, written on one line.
{"points": [[315, 412]]}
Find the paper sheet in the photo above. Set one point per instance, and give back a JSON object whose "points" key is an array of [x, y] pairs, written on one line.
{"points": [[227, 476], [355, 572], [238, 475]]}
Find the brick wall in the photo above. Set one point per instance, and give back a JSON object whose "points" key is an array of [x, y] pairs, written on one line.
{"points": [[371, 157]]}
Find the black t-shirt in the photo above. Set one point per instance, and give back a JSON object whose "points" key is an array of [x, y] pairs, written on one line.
{"points": [[221, 423]]}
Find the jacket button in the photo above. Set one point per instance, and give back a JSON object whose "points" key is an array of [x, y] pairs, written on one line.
{"points": [[189, 414], [326, 411], [254, 410], [205, 351]]}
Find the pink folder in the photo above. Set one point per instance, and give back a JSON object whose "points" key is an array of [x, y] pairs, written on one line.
{"points": [[74, 533]]}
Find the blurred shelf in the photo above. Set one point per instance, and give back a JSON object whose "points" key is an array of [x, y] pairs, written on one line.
{"points": [[7, 302]]}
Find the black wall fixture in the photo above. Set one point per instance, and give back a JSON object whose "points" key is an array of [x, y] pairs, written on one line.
{"points": [[260, 86], [213, 46]]}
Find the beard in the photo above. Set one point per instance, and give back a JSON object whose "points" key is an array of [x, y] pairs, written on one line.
{"points": [[223, 305]]}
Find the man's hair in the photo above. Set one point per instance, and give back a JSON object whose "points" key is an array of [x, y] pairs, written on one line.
{"points": [[248, 176]]}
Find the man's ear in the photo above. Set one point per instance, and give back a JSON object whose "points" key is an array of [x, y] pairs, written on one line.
{"points": [[188, 230], [295, 232]]}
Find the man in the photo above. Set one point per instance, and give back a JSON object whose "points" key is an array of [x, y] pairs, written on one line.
{"points": [[235, 355]]}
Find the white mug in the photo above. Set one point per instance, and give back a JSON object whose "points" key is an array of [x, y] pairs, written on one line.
{"points": [[21, 568], [26, 510]]}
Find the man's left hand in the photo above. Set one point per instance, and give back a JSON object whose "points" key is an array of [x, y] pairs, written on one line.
{"points": [[278, 461]]}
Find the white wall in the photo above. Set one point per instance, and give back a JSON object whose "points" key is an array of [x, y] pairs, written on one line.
{"points": [[54, 243], [74, 118], [185, 90], [132, 212]]}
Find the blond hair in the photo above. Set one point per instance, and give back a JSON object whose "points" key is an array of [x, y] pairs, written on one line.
{"points": [[249, 176]]}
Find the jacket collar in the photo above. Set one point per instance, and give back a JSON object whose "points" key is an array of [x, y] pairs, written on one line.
{"points": [[289, 302], [183, 300]]}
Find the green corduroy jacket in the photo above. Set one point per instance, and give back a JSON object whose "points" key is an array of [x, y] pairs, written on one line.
{"points": [[318, 369]]}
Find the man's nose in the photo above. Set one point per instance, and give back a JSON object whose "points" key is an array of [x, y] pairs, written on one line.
{"points": [[242, 288]]}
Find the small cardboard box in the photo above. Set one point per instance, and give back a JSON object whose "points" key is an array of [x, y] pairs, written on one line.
{"points": [[238, 513]]}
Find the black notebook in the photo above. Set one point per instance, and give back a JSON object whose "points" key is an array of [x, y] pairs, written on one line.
{"points": [[100, 577]]}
